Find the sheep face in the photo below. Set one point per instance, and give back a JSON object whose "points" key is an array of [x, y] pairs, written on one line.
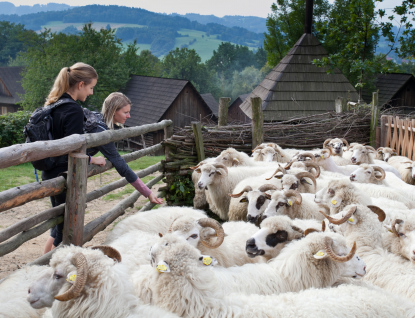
{"points": [[404, 239], [361, 154], [210, 174], [42, 292], [282, 203], [275, 232], [257, 203], [368, 174], [230, 157], [384, 153], [337, 195], [290, 182], [336, 146]]}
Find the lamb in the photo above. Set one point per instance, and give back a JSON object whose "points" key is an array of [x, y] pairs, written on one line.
{"points": [[13, 292], [384, 153], [275, 233], [277, 275], [386, 270], [88, 283], [405, 167], [400, 239], [336, 146], [219, 180], [229, 250], [292, 204]]}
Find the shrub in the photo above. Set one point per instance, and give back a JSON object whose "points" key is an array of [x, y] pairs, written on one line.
{"points": [[11, 128]]}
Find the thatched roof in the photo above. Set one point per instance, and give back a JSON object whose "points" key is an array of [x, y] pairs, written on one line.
{"points": [[10, 79], [388, 85], [295, 87]]}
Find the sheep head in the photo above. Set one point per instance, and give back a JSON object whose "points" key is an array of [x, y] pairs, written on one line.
{"points": [[210, 173], [384, 153], [404, 237], [361, 154], [336, 145], [368, 174]]}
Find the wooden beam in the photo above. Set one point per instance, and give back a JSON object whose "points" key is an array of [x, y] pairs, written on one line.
{"points": [[197, 131], [257, 122], [75, 199], [383, 130], [223, 111], [374, 118], [168, 132]]}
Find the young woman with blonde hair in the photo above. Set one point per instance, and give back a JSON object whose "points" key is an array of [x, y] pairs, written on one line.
{"points": [[73, 83]]}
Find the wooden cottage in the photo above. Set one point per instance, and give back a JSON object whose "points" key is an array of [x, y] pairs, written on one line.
{"points": [[235, 114], [10, 89], [212, 103], [155, 99], [395, 90]]}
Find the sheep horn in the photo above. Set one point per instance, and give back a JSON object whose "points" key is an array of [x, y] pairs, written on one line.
{"points": [[327, 150], [345, 142], [295, 228], [257, 147], [396, 221], [308, 231], [198, 165], [326, 142], [266, 187], [410, 162], [343, 219], [221, 166], [305, 174], [381, 214], [237, 195], [171, 225], [80, 262], [380, 149], [370, 148], [220, 233], [315, 166], [382, 172], [294, 193], [278, 169], [328, 242], [323, 226], [109, 251], [288, 165]]}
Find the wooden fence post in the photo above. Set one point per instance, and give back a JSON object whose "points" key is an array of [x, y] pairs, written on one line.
{"points": [[168, 132], [223, 111], [197, 131], [374, 118], [340, 105], [383, 131], [75, 198], [257, 122]]}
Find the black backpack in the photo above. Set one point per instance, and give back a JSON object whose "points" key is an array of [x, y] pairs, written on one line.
{"points": [[40, 127]]}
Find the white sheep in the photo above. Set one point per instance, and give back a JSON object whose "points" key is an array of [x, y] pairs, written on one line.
{"points": [[386, 270], [336, 146], [271, 152], [400, 237], [220, 181], [86, 283], [292, 204], [405, 167], [13, 293], [384, 153]]}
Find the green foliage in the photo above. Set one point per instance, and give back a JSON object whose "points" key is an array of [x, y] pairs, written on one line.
{"points": [[11, 128], [11, 41], [181, 191], [49, 52]]}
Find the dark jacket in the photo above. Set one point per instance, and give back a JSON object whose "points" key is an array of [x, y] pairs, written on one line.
{"points": [[68, 119]]}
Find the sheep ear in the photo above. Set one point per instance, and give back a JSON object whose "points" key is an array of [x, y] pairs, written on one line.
{"points": [[303, 180], [207, 260], [71, 277], [161, 235], [335, 202], [290, 202], [244, 199], [388, 227], [278, 176], [320, 254], [163, 267], [352, 220], [235, 161], [198, 170]]}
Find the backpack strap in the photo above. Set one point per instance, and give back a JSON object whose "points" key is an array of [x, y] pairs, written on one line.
{"points": [[59, 103]]}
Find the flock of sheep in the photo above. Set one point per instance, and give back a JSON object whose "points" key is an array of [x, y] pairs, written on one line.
{"points": [[322, 233]]}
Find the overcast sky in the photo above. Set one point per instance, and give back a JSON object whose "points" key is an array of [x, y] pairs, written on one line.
{"points": [[219, 8]]}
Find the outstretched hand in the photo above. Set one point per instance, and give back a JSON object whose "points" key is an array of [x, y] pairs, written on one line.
{"points": [[154, 199], [100, 161]]}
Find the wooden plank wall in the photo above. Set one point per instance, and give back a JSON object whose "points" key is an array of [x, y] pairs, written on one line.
{"points": [[398, 133]]}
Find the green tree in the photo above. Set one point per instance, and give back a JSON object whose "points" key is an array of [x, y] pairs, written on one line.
{"points": [[286, 25], [12, 41], [49, 52], [245, 81]]}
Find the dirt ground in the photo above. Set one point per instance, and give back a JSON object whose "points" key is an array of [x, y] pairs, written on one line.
{"points": [[33, 249]]}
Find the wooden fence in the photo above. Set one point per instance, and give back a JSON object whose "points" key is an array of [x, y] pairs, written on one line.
{"points": [[398, 133], [75, 181]]}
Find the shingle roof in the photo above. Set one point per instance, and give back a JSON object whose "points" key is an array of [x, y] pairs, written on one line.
{"points": [[295, 87], [151, 97], [11, 78], [388, 85], [211, 102]]}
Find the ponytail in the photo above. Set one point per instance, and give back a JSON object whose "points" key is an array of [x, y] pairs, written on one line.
{"points": [[69, 77]]}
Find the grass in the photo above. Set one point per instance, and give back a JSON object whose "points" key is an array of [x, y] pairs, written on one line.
{"points": [[23, 174]]}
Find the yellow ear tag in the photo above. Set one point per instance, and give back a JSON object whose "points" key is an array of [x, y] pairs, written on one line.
{"points": [[71, 278], [290, 203], [161, 268], [322, 156], [320, 253], [390, 231], [350, 220], [334, 202], [236, 159], [207, 260]]}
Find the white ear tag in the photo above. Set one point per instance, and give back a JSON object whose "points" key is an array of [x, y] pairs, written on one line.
{"points": [[351, 220], [163, 267], [71, 277], [290, 203], [320, 254]]}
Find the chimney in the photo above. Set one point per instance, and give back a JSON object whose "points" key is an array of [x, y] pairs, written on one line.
{"points": [[308, 16]]}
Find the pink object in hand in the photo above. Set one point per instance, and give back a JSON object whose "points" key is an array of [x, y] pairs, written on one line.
{"points": [[141, 187]]}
